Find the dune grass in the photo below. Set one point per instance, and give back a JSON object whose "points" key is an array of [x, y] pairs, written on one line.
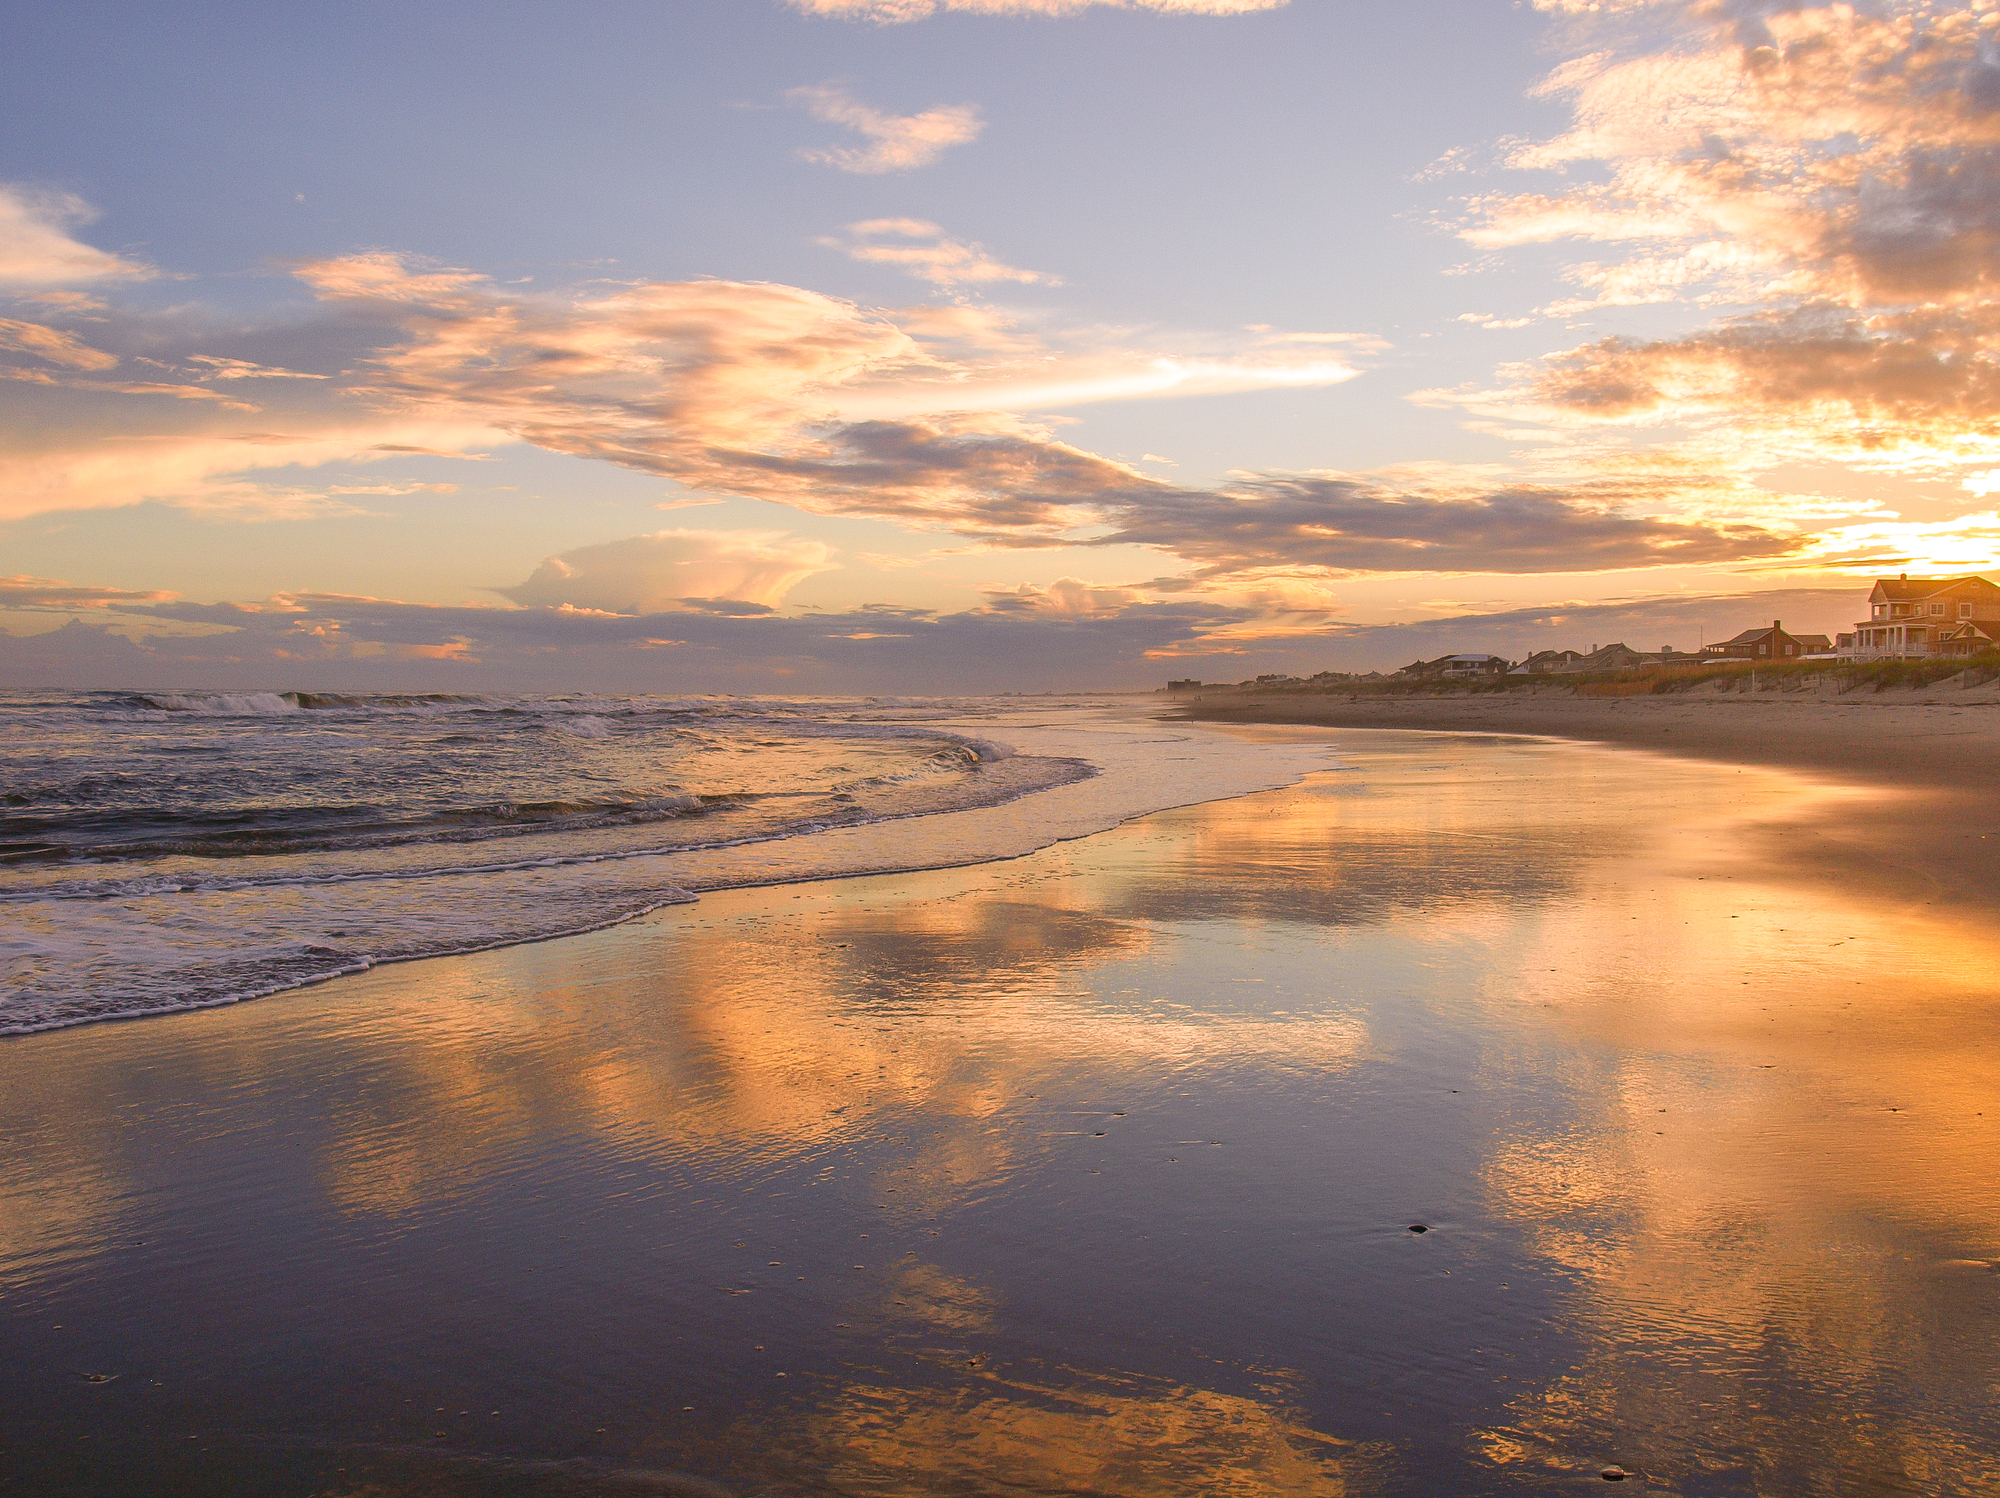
{"points": [[1743, 676]]}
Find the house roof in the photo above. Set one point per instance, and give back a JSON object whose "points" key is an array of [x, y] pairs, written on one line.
{"points": [[1749, 637], [1752, 636], [1909, 589]]}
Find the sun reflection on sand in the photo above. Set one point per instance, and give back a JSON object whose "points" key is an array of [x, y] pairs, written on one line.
{"points": [[1076, 1431], [1771, 1184], [950, 1006]]}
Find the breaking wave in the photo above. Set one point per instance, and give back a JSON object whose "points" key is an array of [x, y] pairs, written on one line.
{"points": [[174, 850]]}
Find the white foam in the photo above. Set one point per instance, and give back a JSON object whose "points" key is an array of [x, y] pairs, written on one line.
{"points": [[998, 782], [221, 704]]}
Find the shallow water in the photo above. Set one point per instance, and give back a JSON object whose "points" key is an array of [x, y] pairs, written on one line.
{"points": [[171, 851], [1093, 1171]]}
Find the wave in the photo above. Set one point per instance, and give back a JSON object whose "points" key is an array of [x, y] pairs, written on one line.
{"points": [[219, 704], [211, 982], [329, 701], [223, 936], [986, 751], [165, 850], [129, 834]]}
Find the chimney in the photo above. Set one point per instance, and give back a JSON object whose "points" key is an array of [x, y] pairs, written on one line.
{"points": [[1774, 626], [1904, 578]]}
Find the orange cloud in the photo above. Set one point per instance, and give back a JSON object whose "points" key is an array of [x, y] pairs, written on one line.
{"points": [[896, 142], [659, 572], [1836, 154], [52, 345], [923, 250], [1838, 171], [37, 249]]}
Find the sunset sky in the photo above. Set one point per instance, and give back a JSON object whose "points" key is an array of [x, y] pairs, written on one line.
{"points": [[956, 345]]}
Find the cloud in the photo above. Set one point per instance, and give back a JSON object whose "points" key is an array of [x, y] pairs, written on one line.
{"points": [[21, 591], [96, 465], [657, 572], [889, 12], [1835, 171], [215, 367], [37, 249], [922, 249], [1344, 524], [52, 346], [896, 142], [1818, 380], [727, 387], [1821, 152], [775, 393], [731, 389], [772, 392], [1066, 598]]}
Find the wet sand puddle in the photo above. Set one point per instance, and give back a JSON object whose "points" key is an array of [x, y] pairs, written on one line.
{"points": [[1094, 1172]]}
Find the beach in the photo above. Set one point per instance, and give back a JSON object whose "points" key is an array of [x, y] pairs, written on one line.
{"points": [[1097, 1169], [1945, 735], [1930, 755]]}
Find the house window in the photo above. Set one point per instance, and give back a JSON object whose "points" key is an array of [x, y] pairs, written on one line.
{"points": [[1881, 611], [1965, 611], [1937, 608]]}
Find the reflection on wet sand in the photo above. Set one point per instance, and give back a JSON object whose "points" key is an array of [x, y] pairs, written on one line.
{"points": [[1027, 1177], [787, 1043], [1077, 1431]]}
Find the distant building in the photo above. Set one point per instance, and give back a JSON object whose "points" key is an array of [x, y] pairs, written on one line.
{"points": [[1622, 657], [1187, 684], [1919, 616], [1545, 661], [1773, 644], [1458, 666]]}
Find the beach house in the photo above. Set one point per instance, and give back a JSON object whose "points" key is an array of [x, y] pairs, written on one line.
{"points": [[1543, 662], [1918, 616], [1458, 666], [1773, 644]]}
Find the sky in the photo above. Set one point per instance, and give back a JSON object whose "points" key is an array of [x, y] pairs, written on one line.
{"points": [[978, 345]]}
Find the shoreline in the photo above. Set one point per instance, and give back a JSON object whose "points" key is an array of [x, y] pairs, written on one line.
{"points": [[1090, 796]]}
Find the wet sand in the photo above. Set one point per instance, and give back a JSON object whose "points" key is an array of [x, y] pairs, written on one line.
{"points": [[1941, 737], [1094, 1171], [1932, 754]]}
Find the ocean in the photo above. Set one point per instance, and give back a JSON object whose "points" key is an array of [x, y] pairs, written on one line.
{"points": [[167, 851]]}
